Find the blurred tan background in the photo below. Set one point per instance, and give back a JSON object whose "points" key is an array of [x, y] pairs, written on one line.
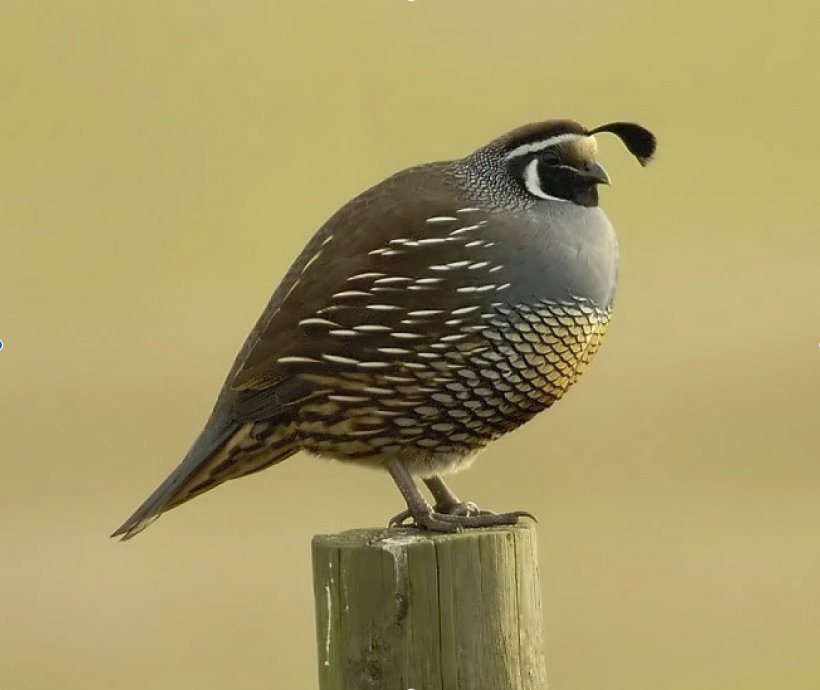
{"points": [[160, 166]]}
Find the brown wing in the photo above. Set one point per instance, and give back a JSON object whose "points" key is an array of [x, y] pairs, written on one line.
{"points": [[384, 275]]}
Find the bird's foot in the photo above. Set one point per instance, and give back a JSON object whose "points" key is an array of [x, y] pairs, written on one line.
{"points": [[429, 520], [456, 517], [462, 508]]}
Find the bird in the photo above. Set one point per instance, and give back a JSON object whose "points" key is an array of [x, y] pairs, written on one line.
{"points": [[431, 314]]}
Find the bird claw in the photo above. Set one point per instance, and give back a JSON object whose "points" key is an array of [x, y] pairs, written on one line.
{"points": [[486, 518], [400, 519], [456, 517]]}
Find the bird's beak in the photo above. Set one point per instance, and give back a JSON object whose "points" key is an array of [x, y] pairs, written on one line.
{"points": [[595, 172]]}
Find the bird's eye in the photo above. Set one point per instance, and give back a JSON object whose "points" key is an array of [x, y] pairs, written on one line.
{"points": [[550, 158]]}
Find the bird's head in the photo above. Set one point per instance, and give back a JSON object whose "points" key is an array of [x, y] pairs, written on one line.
{"points": [[558, 159]]}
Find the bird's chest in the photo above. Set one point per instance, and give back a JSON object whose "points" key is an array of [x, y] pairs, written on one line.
{"points": [[562, 254]]}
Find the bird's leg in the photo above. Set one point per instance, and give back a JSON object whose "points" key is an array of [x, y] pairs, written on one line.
{"points": [[447, 502], [417, 508], [464, 515]]}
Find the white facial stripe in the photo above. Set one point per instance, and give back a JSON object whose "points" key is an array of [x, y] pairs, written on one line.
{"points": [[532, 181], [535, 146]]}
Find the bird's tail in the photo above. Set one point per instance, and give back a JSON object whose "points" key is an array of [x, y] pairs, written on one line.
{"points": [[219, 454]]}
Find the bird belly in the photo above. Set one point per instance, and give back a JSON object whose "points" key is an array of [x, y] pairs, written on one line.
{"points": [[551, 343], [437, 417]]}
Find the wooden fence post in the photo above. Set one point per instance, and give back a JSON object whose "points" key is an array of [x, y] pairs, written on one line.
{"points": [[403, 609]]}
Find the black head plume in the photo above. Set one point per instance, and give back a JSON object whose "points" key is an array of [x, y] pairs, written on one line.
{"points": [[638, 140]]}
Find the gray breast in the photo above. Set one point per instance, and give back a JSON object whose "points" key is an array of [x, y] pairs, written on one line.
{"points": [[559, 251]]}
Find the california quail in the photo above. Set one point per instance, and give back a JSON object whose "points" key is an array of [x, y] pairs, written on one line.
{"points": [[430, 315]]}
